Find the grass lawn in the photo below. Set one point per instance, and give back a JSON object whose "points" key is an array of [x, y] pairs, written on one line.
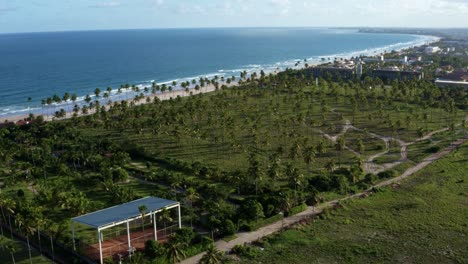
{"points": [[422, 221]]}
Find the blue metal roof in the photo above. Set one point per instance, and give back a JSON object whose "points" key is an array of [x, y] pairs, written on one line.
{"points": [[123, 212]]}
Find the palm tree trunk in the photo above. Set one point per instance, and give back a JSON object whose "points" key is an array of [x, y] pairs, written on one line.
{"points": [[39, 239], [52, 247], [29, 249], [11, 228]]}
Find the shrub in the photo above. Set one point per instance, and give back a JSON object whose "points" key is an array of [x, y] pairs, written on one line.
{"points": [[206, 241], [295, 210], [119, 175], [370, 178], [252, 210], [153, 249], [229, 228], [245, 251], [270, 210], [433, 149], [321, 182], [184, 235], [109, 261], [387, 174]]}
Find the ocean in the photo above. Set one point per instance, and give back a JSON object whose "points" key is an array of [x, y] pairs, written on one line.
{"points": [[39, 65]]}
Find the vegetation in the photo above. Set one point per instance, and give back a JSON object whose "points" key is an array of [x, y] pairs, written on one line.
{"points": [[234, 158], [13, 251], [421, 221]]}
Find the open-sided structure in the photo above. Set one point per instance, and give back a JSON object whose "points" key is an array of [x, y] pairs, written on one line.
{"points": [[115, 240]]}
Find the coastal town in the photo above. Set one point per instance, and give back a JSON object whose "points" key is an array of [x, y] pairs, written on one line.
{"points": [[443, 63]]}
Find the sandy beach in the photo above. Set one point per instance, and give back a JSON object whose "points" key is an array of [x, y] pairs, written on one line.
{"points": [[167, 95]]}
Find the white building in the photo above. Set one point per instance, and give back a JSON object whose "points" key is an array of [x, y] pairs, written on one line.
{"points": [[432, 50]]}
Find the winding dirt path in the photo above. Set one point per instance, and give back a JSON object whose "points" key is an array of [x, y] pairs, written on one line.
{"points": [[248, 237], [370, 166]]}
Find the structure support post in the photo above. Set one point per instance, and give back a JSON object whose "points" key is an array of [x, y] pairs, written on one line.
{"points": [[128, 238], [100, 245], [180, 218], [154, 226], [73, 234]]}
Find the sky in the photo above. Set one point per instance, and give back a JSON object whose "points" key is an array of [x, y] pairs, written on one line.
{"points": [[64, 15]]}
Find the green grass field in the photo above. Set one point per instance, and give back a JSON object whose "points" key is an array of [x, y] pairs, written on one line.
{"points": [[421, 221]]}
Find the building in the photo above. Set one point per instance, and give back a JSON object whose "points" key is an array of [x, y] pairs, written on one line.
{"points": [[431, 50], [403, 60], [459, 75], [332, 73], [359, 70], [391, 74], [448, 83]]}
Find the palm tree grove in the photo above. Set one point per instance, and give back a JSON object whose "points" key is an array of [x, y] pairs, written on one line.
{"points": [[237, 159]]}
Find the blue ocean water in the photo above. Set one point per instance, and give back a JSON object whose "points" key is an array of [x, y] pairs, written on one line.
{"points": [[39, 65]]}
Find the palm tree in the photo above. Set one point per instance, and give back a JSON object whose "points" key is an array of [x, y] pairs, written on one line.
{"points": [[165, 217], [330, 166], [212, 256], [74, 97], [142, 209], [27, 229], [175, 251], [8, 205], [12, 249], [255, 171], [192, 196], [29, 101], [66, 98], [97, 92], [308, 155]]}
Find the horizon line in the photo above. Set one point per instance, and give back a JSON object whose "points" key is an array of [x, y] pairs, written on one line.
{"points": [[233, 27]]}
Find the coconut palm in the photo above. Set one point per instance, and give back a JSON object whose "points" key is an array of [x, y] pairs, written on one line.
{"points": [[212, 256], [97, 92], [175, 251], [6, 205], [308, 155], [11, 248], [142, 209], [192, 196], [24, 225], [165, 217]]}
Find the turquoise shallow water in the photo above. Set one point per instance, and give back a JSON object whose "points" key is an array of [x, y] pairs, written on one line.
{"points": [[39, 65]]}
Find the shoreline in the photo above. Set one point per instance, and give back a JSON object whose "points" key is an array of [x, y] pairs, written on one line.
{"points": [[162, 96], [39, 111]]}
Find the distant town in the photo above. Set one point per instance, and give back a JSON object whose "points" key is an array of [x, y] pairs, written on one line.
{"points": [[442, 62]]}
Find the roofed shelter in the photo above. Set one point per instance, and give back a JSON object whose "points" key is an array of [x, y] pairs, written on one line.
{"points": [[116, 242]]}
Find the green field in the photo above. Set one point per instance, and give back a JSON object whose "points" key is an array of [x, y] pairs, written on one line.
{"points": [[423, 220]]}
